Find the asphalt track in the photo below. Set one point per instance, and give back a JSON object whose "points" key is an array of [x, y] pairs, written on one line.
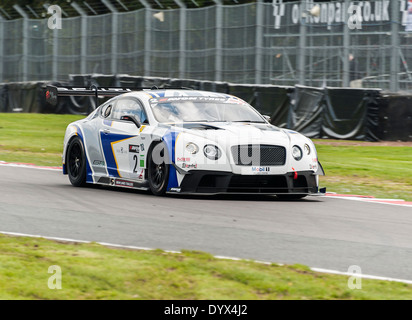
{"points": [[320, 232]]}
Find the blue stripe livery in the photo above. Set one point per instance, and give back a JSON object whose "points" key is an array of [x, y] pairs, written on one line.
{"points": [[170, 140], [107, 140]]}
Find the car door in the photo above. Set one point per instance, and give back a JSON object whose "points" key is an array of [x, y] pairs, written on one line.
{"points": [[121, 141]]}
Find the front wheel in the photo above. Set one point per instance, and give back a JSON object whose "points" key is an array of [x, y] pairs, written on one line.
{"points": [[158, 170], [76, 163]]}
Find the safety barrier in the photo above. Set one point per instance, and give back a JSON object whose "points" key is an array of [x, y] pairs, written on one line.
{"points": [[334, 113]]}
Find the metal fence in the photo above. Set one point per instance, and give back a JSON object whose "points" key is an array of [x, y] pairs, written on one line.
{"points": [[283, 43]]}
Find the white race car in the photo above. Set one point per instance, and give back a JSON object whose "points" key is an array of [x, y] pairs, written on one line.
{"points": [[185, 141]]}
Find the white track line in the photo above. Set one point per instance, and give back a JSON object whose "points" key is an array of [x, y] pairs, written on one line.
{"points": [[111, 245]]}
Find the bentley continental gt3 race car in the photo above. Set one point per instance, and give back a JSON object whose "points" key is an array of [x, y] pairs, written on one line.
{"points": [[185, 141]]}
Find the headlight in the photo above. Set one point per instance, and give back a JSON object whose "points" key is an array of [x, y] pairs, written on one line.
{"points": [[211, 152], [297, 153], [192, 148], [307, 149]]}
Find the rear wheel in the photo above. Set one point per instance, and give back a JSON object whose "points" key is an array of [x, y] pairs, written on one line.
{"points": [[76, 163], [158, 170]]}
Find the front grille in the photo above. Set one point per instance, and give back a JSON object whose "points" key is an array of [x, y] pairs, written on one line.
{"points": [[259, 155]]}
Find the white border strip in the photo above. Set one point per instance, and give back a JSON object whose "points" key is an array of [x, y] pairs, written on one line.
{"points": [[28, 166], [363, 276], [111, 245], [372, 200]]}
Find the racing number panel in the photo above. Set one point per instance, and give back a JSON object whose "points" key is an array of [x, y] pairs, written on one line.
{"points": [[121, 142]]}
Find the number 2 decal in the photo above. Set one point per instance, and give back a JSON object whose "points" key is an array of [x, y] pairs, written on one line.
{"points": [[135, 164]]}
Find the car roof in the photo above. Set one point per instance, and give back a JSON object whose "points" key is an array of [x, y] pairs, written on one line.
{"points": [[158, 93]]}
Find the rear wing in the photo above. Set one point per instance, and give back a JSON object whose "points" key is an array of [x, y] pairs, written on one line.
{"points": [[52, 92]]}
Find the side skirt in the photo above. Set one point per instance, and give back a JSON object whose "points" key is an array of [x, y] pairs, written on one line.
{"points": [[123, 183]]}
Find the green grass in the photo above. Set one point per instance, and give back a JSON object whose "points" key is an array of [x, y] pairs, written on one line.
{"points": [[380, 171], [369, 170], [91, 271], [33, 138]]}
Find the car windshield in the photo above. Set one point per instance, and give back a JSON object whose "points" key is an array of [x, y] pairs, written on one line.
{"points": [[203, 109]]}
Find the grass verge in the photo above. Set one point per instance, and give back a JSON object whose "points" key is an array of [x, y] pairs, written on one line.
{"points": [[33, 138], [381, 171], [91, 271]]}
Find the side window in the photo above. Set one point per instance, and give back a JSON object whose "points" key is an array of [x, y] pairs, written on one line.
{"points": [[128, 106], [107, 111]]}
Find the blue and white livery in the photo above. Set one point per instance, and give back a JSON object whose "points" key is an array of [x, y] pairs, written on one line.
{"points": [[187, 141]]}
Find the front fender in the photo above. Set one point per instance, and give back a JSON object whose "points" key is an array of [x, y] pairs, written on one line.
{"points": [[71, 132]]}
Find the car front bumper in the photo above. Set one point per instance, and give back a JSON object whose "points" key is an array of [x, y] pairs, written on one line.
{"points": [[213, 182]]}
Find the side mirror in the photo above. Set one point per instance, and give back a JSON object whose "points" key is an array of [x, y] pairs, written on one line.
{"points": [[267, 118], [133, 119]]}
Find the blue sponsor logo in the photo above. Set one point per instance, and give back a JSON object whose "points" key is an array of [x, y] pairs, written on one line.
{"points": [[260, 169]]}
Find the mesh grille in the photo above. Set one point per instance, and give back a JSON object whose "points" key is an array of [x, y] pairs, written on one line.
{"points": [[259, 155]]}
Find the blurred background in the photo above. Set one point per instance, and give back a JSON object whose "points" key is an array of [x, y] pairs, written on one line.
{"points": [[255, 42], [329, 69]]}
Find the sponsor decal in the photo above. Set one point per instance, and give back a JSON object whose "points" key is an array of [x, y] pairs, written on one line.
{"points": [[98, 163], [332, 13], [134, 148], [260, 169], [121, 150], [313, 167], [142, 161], [235, 100], [155, 101], [123, 183], [182, 159], [194, 99], [139, 173], [141, 147], [175, 189], [189, 165]]}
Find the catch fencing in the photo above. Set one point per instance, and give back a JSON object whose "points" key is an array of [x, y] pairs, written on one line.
{"points": [[280, 43]]}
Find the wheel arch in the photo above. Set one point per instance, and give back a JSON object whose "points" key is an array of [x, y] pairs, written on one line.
{"points": [[71, 137], [169, 140], [80, 178], [65, 151]]}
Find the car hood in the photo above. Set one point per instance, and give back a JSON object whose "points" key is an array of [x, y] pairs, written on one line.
{"points": [[237, 132]]}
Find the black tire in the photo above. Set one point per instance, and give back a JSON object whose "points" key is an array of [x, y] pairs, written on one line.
{"points": [[158, 174], [291, 196], [76, 162]]}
